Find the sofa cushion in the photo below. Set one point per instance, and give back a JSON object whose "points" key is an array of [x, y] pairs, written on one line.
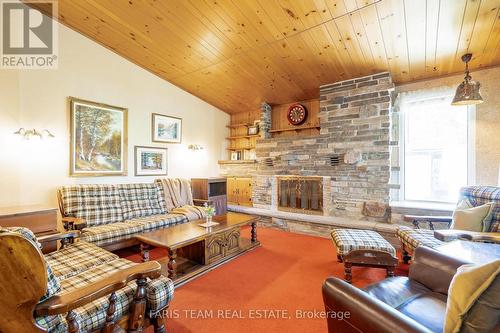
{"points": [[139, 200], [472, 218], [468, 284], [107, 233], [154, 222], [92, 316], [96, 204], [413, 238], [53, 285], [76, 258], [480, 195], [427, 310], [395, 291]]}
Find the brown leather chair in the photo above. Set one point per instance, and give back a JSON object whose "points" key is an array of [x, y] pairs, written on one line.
{"points": [[416, 303]]}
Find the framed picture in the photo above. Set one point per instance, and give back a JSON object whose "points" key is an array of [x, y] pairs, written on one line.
{"points": [[150, 161], [234, 156], [98, 139], [166, 128]]}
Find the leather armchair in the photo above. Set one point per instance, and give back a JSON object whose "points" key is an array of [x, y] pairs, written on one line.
{"points": [[416, 303]]}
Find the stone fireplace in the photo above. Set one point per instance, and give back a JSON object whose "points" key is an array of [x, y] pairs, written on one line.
{"points": [[351, 155]]}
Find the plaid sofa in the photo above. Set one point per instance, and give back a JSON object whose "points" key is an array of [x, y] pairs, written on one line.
{"points": [[475, 195], [80, 264], [118, 212]]}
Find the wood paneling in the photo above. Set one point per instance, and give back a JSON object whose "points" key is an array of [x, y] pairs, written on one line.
{"points": [[236, 54], [280, 125]]}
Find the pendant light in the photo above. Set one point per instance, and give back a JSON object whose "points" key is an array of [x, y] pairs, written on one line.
{"points": [[468, 91]]}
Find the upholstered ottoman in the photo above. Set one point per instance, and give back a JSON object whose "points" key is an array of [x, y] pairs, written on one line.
{"points": [[363, 248]]}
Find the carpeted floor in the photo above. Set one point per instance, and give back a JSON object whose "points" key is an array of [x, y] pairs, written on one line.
{"points": [[274, 288]]}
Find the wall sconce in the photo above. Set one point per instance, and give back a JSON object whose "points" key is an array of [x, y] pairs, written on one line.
{"points": [[31, 133], [195, 147]]}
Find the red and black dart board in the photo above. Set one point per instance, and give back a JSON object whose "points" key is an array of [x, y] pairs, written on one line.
{"points": [[297, 114]]}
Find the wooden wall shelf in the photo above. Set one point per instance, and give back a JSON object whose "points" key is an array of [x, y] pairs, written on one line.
{"points": [[238, 125], [241, 148], [294, 129], [237, 162], [242, 137]]}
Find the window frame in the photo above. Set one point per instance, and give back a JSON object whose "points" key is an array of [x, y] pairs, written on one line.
{"points": [[471, 154]]}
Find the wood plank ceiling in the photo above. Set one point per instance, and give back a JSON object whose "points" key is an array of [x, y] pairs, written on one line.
{"points": [[236, 54]]}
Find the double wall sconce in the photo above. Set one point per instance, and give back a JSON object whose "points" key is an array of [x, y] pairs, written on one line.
{"points": [[33, 133], [195, 147]]}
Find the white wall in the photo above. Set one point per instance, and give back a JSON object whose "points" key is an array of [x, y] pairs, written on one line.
{"points": [[31, 171]]}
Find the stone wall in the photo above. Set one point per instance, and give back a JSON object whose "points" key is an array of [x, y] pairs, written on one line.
{"points": [[355, 119]]}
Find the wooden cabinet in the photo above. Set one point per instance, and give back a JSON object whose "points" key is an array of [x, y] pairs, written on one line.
{"points": [[213, 190], [221, 245], [239, 191]]}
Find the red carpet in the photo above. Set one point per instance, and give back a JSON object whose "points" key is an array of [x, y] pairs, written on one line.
{"points": [[280, 279]]}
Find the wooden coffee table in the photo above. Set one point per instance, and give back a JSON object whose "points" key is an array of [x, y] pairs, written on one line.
{"points": [[193, 250]]}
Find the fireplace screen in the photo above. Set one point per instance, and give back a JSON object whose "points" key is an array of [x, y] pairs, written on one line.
{"points": [[300, 194]]}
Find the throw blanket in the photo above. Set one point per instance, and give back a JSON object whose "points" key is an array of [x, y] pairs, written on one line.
{"points": [[178, 198], [177, 193]]}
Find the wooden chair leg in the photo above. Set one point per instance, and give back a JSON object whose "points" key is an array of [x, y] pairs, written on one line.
{"points": [[138, 308], [406, 257], [348, 272], [72, 323], [159, 324], [109, 325]]}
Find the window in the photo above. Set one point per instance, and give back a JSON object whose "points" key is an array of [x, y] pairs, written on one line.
{"points": [[436, 139]]}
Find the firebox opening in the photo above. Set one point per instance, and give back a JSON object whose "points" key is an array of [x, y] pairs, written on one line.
{"points": [[300, 194]]}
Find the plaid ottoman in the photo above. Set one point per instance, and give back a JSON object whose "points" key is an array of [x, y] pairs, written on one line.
{"points": [[363, 248]]}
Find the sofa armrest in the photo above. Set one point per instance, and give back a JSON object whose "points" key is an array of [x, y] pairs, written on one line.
{"points": [[63, 237], [434, 269], [366, 314], [449, 235], [68, 301], [430, 220], [73, 223]]}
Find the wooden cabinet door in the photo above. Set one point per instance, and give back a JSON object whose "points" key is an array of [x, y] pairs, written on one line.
{"points": [[232, 241], [232, 197], [214, 248], [244, 191]]}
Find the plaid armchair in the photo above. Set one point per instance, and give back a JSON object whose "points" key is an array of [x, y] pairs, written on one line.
{"points": [[411, 238], [78, 288]]}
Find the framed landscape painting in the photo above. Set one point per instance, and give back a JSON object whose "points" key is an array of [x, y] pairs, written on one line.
{"points": [[150, 161], [98, 144], [166, 128]]}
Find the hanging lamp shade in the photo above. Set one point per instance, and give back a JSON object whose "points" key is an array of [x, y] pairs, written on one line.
{"points": [[468, 91]]}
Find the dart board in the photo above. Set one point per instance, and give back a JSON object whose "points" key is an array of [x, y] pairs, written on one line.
{"points": [[297, 114]]}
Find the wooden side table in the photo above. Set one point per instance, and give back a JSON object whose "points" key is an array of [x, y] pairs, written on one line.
{"points": [[42, 220]]}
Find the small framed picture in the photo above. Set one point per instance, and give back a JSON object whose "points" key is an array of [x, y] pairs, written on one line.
{"points": [[166, 129], [252, 130], [150, 161], [234, 156]]}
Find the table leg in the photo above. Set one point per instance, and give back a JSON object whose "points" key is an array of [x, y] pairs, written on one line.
{"points": [[254, 232], [390, 271], [348, 272], [144, 252], [172, 264]]}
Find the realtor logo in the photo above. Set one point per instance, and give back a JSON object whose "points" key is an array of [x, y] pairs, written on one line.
{"points": [[29, 38]]}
